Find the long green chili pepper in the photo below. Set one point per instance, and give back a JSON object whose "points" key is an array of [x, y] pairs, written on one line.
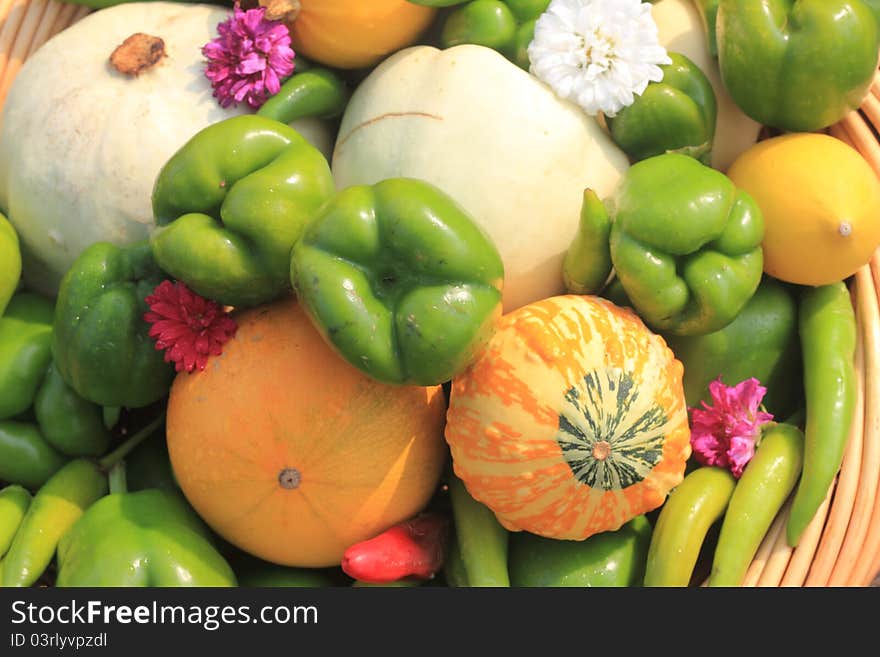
{"points": [[827, 325], [316, 92], [766, 483], [14, 503], [587, 263], [480, 537], [56, 507], [26, 457], [691, 509]]}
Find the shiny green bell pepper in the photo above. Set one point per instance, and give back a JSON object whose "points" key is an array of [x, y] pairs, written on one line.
{"points": [[148, 538], [400, 280], [101, 342], [762, 342], [507, 26], [685, 244], [231, 203], [10, 262], [608, 559], [797, 65], [25, 351], [675, 115]]}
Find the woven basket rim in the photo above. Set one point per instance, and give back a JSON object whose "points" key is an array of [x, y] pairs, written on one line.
{"points": [[841, 546]]}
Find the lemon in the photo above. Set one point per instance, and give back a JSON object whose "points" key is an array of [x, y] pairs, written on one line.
{"points": [[821, 205]]}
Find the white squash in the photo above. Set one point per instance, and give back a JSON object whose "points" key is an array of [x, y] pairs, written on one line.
{"points": [[493, 137], [681, 30], [81, 144]]}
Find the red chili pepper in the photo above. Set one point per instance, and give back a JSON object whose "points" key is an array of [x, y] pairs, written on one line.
{"points": [[415, 548]]}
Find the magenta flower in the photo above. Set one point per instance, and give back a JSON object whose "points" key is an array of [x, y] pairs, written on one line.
{"points": [[249, 58], [724, 434], [188, 327]]}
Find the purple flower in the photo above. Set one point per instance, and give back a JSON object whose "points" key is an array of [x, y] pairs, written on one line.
{"points": [[724, 434], [249, 58]]}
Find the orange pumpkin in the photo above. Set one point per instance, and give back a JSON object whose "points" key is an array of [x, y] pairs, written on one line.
{"points": [[356, 33], [293, 455], [572, 422]]}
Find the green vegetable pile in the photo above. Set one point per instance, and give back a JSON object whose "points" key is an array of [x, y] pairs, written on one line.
{"points": [[405, 282]]}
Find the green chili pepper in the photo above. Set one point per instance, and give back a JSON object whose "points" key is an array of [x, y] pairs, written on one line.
{"points": [[587, 262], [691, 509], [14, 503], [828, 341], [71, 424], [25, 456], [453, 570], [25, 351], [766, 483], [709, 12], [483, 542], [317, 92], [54, 510]]}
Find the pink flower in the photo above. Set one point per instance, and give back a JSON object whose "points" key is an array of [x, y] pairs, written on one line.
{"points": [[188, 327], [249, 58], [724, 434]]}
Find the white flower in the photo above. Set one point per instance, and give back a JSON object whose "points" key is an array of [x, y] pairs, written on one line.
{"points": [[598, 53]]}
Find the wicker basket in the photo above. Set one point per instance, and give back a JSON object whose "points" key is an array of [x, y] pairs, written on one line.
{"points": [[841, 547]]}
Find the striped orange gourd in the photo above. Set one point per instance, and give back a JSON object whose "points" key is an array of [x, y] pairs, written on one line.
{"points": [[572, 422]]}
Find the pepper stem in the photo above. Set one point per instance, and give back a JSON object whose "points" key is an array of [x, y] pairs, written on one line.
{"points": [[117, 478], [125, 448]]}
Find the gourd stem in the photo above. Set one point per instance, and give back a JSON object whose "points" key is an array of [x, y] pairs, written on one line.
{"points": [[125, 448]]}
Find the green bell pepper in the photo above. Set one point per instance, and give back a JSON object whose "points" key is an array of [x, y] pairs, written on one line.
{"points": [[400, 280], [10, 262], [608, 559], [148, 538], [797, 65], [675, 115], [685, 244], [507, 26], [231, 203], [762, 342], [101, 341], [71, 424], [25, 351]]}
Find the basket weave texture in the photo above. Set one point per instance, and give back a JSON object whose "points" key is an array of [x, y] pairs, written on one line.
{"points": [[841, 547]]}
